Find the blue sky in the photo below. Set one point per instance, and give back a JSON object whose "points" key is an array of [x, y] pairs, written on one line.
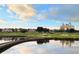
{"points": [[32, 16]]}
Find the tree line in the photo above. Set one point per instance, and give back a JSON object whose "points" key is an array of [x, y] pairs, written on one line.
{"points": [[39, 29]]}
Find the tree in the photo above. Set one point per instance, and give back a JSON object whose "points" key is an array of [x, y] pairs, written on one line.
{"points": [[72, 30], [0, 30], [39, 29], [13, 30], [23, 30], [45, 30]]}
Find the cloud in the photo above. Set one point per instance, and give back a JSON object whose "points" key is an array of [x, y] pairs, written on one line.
{"points": [[42, 15], [2, 21], [23, 11], [65, 12], [75, 18]]}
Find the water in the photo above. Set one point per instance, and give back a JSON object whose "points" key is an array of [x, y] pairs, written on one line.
{"points": [[43, 47], [8, 39]]}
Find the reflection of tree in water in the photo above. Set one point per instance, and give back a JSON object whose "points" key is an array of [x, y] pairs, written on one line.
{"points": [[67, 42], [42, 41]]}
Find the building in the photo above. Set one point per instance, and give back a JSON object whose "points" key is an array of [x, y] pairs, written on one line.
{"points": [[6, 30], [66, 26], [10, 30]]}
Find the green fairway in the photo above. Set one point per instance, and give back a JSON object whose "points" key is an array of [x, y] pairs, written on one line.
{"points": [[42, 34]]}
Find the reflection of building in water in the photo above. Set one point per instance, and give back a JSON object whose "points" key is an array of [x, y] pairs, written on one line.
{"points": [[67, 42], [42, 41], [4, 40], [66, 26], [11, 38]]}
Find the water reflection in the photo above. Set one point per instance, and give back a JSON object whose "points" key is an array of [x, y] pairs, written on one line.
{"points": [[43, 46], [39, 41], [67, 42], [10, 39], [42, 41], [63, 42]]}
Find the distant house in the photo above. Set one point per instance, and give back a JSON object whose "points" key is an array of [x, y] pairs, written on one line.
{"points": [[66, 26], [6, 30], [10, 30]]}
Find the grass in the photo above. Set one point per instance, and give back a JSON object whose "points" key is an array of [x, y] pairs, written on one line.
{"points": [[41, 35]]}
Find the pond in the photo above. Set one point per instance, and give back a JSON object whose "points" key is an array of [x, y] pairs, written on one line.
{"points": [[43, 47]]}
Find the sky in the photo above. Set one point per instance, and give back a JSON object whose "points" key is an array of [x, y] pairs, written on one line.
{"points": [[33, 15]]}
